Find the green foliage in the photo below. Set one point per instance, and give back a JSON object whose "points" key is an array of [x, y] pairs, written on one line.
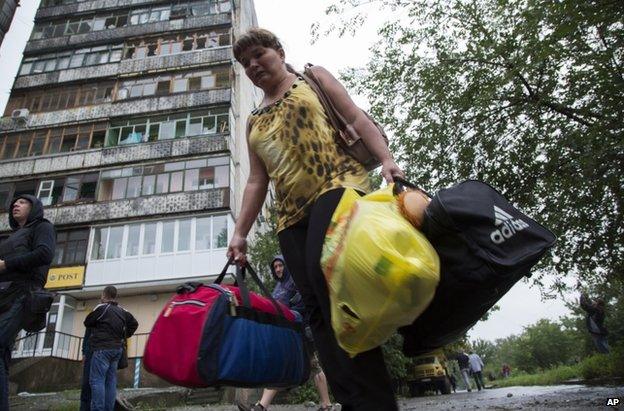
{"points": [[304, 393], [544, 345], [262, 249], [397, 363], [549, 377], [527, 95], [604, 366]]}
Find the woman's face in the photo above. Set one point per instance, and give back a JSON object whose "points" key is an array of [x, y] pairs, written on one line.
{"points": [[263, 65]]}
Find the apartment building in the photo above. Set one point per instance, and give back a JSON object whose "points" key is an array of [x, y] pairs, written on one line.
{"points": [[127, 119], [7, 11]]}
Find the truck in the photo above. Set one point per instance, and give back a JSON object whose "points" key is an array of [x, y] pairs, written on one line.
{"points": [[429, 373]]}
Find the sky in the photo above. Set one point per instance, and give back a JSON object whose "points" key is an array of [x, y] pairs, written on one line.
{"points": [[291, 20]]}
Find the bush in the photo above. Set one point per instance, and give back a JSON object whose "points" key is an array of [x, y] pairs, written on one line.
{"points": [[596, 366], [605, 366]]}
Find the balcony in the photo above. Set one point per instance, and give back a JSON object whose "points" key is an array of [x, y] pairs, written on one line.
{"points": [[125, 108], [109, 211], [114, 155], [89, 6], [109, 36], [189, 59]]}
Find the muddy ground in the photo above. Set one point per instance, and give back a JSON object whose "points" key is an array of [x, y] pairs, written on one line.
{"points": [[568, 397]]}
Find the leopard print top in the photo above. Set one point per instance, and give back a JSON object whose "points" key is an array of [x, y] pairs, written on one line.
{"points": [[295, 140]]}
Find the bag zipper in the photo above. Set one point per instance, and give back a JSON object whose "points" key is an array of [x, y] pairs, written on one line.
{"points": [[230, 296]]}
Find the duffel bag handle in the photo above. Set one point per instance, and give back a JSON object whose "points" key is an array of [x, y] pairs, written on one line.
{"points": [[224, 271], [401, 184], [240, 281]]}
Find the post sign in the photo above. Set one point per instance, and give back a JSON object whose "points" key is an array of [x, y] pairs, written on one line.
{"points": [[65, 277]]}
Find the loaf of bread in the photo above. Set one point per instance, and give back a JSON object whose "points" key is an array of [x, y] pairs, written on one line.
{"points": [[412, 204]]}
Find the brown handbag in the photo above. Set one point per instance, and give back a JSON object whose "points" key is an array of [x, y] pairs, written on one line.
{"points": [[347, 137]]}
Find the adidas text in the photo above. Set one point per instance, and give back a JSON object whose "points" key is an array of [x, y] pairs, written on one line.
{"points": [[507, 229]]}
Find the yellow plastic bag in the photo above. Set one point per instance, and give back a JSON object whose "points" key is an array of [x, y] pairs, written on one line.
{"points": [[381, 272]]}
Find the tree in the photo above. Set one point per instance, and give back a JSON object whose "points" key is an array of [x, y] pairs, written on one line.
{"points": [[527, 95], [263, 248]]}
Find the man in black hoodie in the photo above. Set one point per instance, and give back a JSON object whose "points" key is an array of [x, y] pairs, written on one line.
{"points": [[25, 258], [109, 326]]}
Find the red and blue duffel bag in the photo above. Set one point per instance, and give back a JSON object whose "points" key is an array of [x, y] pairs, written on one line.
{"points": [[213, 335]]}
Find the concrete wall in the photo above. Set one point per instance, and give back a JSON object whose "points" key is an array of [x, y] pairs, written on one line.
{"points": [[247, 97], [113, 156], [143, 66], [124, 108], [170, 204], [110, 36]]}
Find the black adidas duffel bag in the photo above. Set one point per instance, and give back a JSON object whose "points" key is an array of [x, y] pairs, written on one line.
{"points": [[485, 246]]}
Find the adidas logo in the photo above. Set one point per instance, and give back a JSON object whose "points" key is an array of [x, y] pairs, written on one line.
{"points": [[507, 226]]}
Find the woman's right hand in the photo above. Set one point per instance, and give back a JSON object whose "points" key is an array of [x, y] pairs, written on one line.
{"points": [[238, 249]]}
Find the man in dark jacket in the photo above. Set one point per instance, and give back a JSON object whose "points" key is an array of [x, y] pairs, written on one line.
{"points": [[110, 325], [594, 321], [464, 367], [25, 258]]}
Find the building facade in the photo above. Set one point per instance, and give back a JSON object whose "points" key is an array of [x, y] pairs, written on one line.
{"points": [[7, 11], [127, 119]]}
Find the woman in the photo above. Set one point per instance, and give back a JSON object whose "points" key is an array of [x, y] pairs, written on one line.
{"points": [[291, 143]]}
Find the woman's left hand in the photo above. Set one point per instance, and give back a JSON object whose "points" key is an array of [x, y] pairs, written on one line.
{"points": [[389, 169]]}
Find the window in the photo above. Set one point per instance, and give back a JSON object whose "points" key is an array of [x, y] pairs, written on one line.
{"points": [[71, 247], [168, 228], [119, 188], [134, 237], [5, 195], [50, 191], [184, 235], [202, 233], [219, 232], [149, 238], [100, 237], [115, 238]]}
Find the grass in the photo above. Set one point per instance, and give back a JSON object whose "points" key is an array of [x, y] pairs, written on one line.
{"points": [[549, 377], [594, 366]]}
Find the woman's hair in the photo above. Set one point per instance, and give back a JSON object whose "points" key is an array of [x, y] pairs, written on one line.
{"points": [[255, 37]]}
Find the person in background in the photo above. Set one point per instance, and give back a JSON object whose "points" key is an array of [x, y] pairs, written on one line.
{"points": [[506, 371], [594, 320], [25, 257], [476, 368], [85, 388], [286, 293], [292, 143], [464, 367], [110, 325]]}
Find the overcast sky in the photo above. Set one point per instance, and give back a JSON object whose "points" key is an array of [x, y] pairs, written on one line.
{"points": [[291, 21]]}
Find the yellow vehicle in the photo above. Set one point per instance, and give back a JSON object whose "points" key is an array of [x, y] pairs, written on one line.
{"points": [[430, 373]]}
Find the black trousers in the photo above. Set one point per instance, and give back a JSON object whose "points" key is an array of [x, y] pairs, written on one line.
{"points": [[361, 383]]}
